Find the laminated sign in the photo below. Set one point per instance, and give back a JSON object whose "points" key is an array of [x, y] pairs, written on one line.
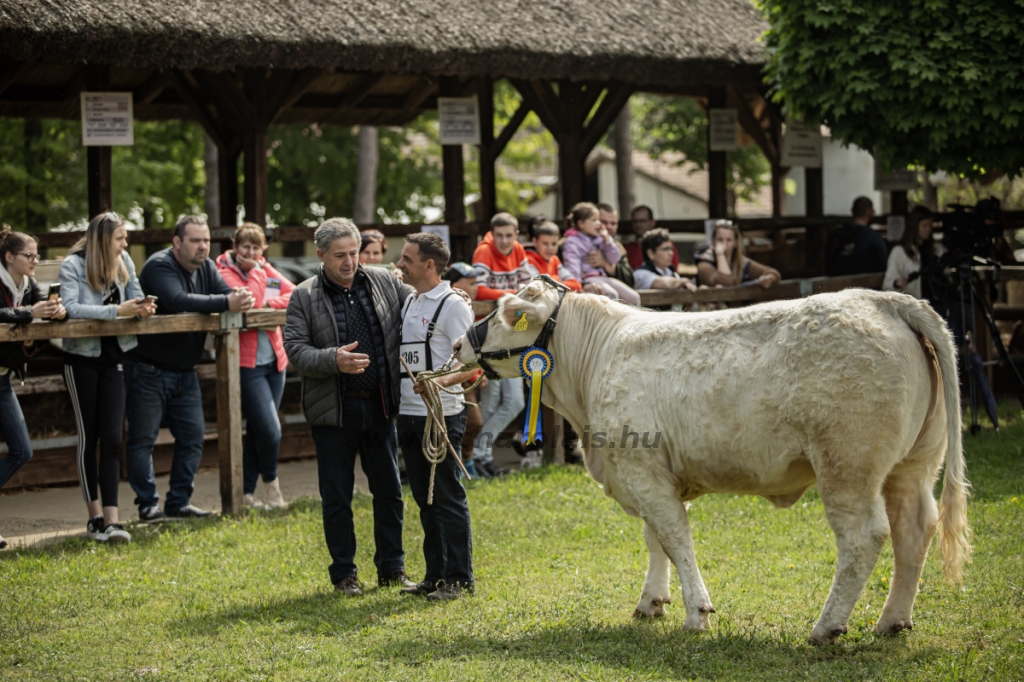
{"points": [[107, 119], [801, 146], [459, 120], [723, 134]]}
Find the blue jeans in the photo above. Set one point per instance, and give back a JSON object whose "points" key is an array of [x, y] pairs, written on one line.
{"points": [[368, 432], [13, 430], [262, 388], [447, 536], [500, 403], [155, 394]]}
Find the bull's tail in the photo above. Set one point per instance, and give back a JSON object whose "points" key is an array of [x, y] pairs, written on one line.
{"points": [[954, 533]]}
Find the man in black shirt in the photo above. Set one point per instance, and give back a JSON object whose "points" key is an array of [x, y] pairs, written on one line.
{"points": [[342, 334], [855, 248], [160, 373]]}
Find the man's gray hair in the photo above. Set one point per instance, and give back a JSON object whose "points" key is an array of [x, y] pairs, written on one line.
{"points": [[335, 228]]}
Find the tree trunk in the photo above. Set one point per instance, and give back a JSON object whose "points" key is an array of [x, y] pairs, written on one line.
{"points": [[624, 161], [364, 209], [212, 200]]}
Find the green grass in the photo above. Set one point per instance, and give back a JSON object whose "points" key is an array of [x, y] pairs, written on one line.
{"points": [[559, 569]]}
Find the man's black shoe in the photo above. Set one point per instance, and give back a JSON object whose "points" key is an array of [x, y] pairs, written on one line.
{"points": [[349, 586], [419, 588], [449, 592], [189, 511], [489, 469], [398, 578], [151, 514]]}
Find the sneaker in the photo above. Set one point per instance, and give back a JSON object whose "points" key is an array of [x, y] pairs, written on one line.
{"points": [[481, 468], [489, 469], [116, 534], [94, 529], [349, 586], [398, 578], [449, 592], [3, 543], [249, 500], [470, 469], [272, 491], [419, 588], [532, 460], [189, 511], [152, 514]]}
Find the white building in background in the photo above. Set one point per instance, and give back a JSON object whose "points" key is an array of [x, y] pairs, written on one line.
{"points": [[846, 173]]}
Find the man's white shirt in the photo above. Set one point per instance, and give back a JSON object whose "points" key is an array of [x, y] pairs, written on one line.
{"points": [[418, 310]]}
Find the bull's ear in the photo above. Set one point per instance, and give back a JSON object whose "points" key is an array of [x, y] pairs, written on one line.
{"points": [[515, 307]]}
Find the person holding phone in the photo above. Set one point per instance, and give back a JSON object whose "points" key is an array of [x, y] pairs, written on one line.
{"points": [[263, 362], [98, 279], [21, 301]]}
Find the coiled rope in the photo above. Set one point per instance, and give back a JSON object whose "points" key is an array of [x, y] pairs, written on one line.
{"points": [[435, 442]]}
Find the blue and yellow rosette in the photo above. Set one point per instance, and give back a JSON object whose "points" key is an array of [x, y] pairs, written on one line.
{"points": [[535, 364]]}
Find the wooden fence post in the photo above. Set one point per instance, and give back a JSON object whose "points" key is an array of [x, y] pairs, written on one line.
{"points": [[229, 414]]}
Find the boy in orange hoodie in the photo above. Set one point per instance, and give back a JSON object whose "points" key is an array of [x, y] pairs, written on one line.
{"points": [[501, 260], [542, 254]]}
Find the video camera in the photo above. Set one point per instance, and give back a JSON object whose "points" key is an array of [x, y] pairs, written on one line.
{"points": [[969, 232]]}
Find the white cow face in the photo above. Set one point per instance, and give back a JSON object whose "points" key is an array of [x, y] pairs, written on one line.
{"points": [[535, 301]]}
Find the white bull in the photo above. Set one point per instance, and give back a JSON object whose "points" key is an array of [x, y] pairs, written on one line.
{"points": [[856, 392]]}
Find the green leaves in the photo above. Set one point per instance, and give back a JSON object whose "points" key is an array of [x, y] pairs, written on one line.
{"points": [[934, 83]]}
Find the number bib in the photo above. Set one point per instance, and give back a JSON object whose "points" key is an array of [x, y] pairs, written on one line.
{"points": [[415, 355]]}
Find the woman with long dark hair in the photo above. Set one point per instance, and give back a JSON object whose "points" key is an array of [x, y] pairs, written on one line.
{"points": [[21, 302], [98, 282], [915, 251]]}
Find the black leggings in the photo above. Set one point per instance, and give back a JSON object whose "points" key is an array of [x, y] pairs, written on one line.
{"points": [[98, 395]]}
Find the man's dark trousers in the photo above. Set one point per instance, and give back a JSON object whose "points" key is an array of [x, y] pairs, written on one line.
{"points": [[447, 537], [366, 431]]}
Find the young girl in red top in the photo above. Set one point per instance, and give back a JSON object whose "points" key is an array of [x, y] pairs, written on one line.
{"points": [[263, 362]]}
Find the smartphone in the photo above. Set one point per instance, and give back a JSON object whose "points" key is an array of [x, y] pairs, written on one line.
{"points": [[54, 293], [151, 297]]}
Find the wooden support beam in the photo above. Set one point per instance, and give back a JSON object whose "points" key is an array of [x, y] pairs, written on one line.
{"points": [[749, 122], [418, 94], [150, 89], [452, 163], [617, 97], [76, 85], [199, 105], [774, 117], [227, 182], [229, 422], [510, 129], [898, 202], [717, 165], [98, 164], [289, 86], [816, 239], [528, 90], [254, 144], [354, 97], [488, 188], [11, 73]]}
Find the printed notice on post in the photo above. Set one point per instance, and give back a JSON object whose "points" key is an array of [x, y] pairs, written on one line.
{"points": [[724, 126], [459, 120], [107, 119], [441, 231], [801, 146]]}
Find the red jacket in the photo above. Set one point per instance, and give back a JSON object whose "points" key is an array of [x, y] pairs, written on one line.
{"points": [[256, 282], [552, 267], [500, 274]]}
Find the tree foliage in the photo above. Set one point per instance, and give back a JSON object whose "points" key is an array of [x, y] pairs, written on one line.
{"points": [[678, 124], [935, 83]]}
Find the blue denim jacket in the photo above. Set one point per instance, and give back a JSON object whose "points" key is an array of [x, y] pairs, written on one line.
{"points": [[84, 302]]}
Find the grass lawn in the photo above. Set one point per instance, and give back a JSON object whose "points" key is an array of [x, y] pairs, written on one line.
{"points": [[559, 569]]}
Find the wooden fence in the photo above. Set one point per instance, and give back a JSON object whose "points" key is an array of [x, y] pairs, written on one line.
{"points": [[226, 327]]}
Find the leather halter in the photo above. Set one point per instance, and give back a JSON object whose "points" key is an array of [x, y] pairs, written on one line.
{"points": [[477, 334]]}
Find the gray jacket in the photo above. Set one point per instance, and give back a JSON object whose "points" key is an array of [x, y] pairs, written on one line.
{"points": [[84, 302], [311, 341]]}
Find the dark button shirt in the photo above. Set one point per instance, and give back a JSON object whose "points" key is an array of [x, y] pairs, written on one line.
{"points": [[855, 249], [355, 326]]}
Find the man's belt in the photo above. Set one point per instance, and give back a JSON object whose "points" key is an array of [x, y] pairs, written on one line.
{"points": [[361, 395]]}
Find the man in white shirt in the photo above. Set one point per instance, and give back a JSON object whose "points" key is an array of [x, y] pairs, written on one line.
{"points": [[432, 319]]}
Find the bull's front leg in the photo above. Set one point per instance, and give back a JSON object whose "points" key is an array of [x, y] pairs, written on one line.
{"points": [[656, 592], [653, 495]]}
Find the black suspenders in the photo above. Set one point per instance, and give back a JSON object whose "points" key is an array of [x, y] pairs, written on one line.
{"points": [[429, 359]]}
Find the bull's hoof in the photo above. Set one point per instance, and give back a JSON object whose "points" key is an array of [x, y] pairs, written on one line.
{"points": [[655, 609], [826, 636], [699, 624], [707, 609], [893, 627]]}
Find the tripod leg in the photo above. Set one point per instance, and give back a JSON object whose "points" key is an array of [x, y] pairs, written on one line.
{"points": [[1004, 355]]}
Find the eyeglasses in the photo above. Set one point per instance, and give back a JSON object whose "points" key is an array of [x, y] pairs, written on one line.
{"points": [[30, 257]]}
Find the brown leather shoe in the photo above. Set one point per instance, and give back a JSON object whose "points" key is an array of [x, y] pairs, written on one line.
{"points": [[448, 592], [419, 588], [398, 578], [349, 586]]}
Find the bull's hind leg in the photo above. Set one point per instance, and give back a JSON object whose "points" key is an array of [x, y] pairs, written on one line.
{"points": [[912, 518], [656, 591], [651, 492], [857, 517]]}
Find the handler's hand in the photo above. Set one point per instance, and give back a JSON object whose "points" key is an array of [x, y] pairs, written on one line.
{"points": [[418, 387], [349, 362], [902, 282]]}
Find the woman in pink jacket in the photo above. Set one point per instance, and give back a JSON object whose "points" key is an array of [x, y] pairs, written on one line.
{"points": [[263, 363], [585, 233]]}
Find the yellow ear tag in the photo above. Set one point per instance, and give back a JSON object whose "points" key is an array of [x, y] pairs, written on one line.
{"points": [[521, 324]]}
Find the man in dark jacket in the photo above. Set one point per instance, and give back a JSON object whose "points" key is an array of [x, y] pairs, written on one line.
{"points": [[856, 249], [160, 375], [342, 334]]}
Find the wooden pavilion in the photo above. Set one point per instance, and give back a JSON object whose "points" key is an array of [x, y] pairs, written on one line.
{"points": [[239, 67]]}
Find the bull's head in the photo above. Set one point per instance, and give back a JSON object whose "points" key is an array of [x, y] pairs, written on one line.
{"points": [[494, 343]]}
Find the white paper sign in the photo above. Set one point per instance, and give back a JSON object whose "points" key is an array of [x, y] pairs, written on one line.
{"points": [[801, 146], [441, 231], [724, 127], [107, 119], [895, 225], [459, 119], [895, 181]]}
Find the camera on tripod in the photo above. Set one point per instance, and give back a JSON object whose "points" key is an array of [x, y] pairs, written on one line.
{"points": [[971, 232]]}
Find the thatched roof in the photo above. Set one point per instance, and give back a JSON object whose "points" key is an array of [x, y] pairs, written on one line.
{"points": [[657, 44]]}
